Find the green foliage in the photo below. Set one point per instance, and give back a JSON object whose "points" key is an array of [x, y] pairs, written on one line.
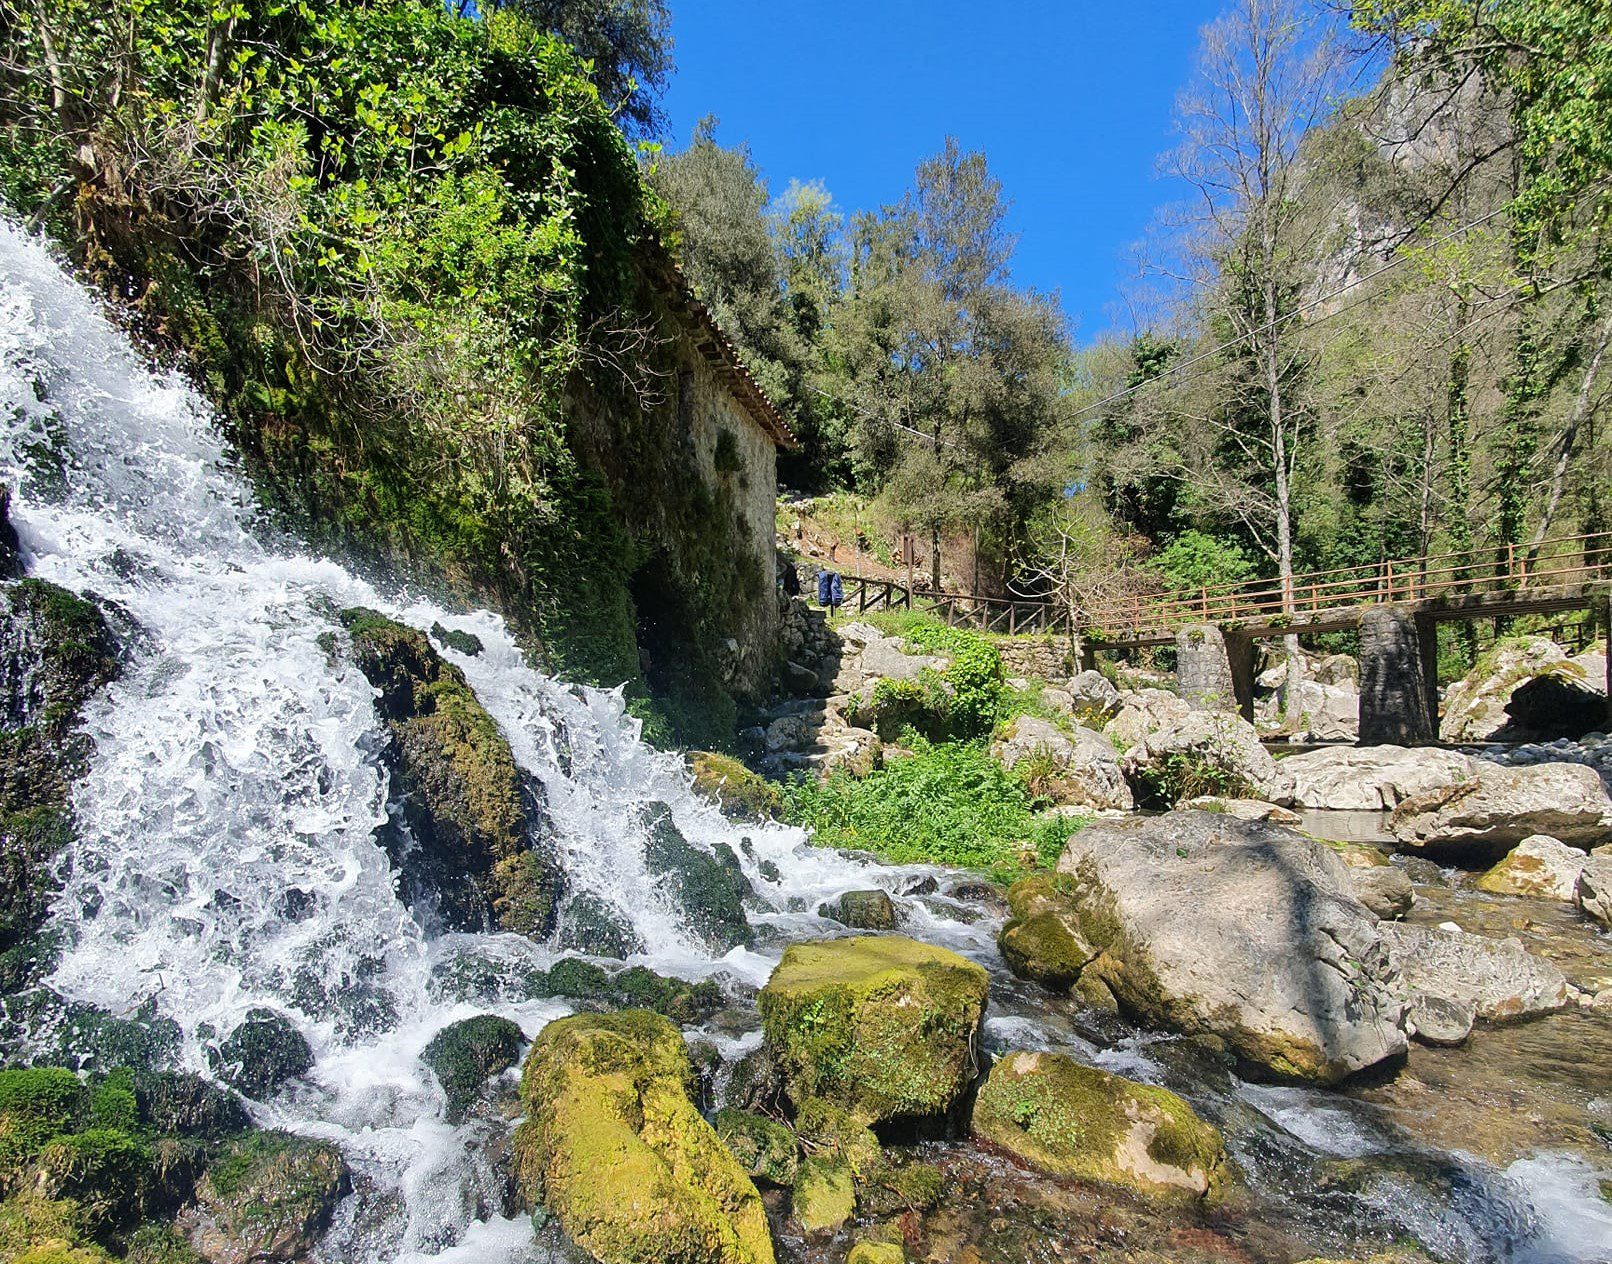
{"points": [[1183, 775], [946, 804], [1195, 559], [975, 677]]}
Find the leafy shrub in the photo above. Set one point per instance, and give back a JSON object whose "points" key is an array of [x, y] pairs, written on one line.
{"points": [[975, 676], [1195, 560], [947, 804], [1188, 775]]}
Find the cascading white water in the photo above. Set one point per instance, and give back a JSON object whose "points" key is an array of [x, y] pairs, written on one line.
{"points": [[227, 854]]}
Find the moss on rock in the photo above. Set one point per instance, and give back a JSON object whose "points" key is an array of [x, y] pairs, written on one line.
{"points": [[1071, 1120], [876, 1253], [740, 793], [710, 889], [614, 1147], [261, 1054], [766, 1148], [862, 910], [465, 1055], [824, 1197], [39, 1230], [883, 1026], [268, 1196], [1041, 940]]}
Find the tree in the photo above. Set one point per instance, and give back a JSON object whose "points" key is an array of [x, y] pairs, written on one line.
{"points": [[629, 43]]}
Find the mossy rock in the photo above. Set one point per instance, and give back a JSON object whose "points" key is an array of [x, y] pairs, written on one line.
{"points": [[614, 1147], [766, 1148], [1041, 941], [883, 1026], [182, 1104], [592, 925], [261, 1054], [710, 889], [876, 1253], [636, 987], [472, 814], [741, 794], [862, 910], [1071, 1120], [268, 1196], [39, 1230], [896, 1188], [824, 1197], [466, 1054]]}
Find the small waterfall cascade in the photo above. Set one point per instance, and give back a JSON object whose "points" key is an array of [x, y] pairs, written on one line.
{"points": [[229, 851]]}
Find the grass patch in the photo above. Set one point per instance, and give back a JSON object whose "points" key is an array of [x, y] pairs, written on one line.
{"points": [[947, 804]]}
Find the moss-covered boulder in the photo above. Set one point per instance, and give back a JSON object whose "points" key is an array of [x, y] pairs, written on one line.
{"points": [[592, 925], [764, 1147], [824, 1197], [636, 987], [39, 1230], [876, 1253], [476, 853], [261, 1054], [862, 910], [1042, 940], [884, 1026], [741, 794], [465, 1055], [1067, 1119], [710, 888], [614, 1147], [267, 1197]]}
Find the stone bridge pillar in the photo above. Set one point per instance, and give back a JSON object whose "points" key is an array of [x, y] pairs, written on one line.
{"points": [[1214, 670], [1398, 678]]}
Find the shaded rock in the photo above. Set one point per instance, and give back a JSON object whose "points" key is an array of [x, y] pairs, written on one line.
{"points": [[1203, 752], [1498, 807], [741, 794], [1523, 687], [1244, 809], [765, 1148], [1071, 1120], [269, 1196], [466, 1054], [1078, 770], [183, 1104], [1142, 713], [613, 1146], [842, 1153], [1538, 866], [261, 1054], [10, 546], [1384, 889], [1336, 669], [1496, 979], [1244, 930], [863, 910], [710, 892], [1367, 778], [1593, 890], [476, 823], [1438, 1020], [883, 1026], [1042, 941]]}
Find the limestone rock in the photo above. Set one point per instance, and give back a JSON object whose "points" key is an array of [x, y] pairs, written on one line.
{"points": [[614, 1147], [857, 752], [1496, 979], [1042, 940], [1539, 866], [1593, 890], [1245, 930], [1329, 713], [1244, 809], [1498, 807], [883, 1026], [862, 910], [1383, 889], [1439, 1020], [268, 1197], [1367, 778], [1523, 687], [1079, 770], [1092, 695], [1142, 713], [1071, 1120], [1203, 752]]}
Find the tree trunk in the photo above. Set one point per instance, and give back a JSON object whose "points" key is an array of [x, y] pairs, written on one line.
{"points": [[1569, 439], [1293, 686], [934, 558]]}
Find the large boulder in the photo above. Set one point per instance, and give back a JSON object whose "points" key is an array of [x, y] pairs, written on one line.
{"points": [[1072, 1120], [1497, 807], [1247, 930], [1367, 778], [1496, 979], [475, 850], [1080, 769], [883, 1026], [1538, 866], [614, 1147], [1524, 687], [1203, 752], [1143, 712], [1092, 696], [268, 1197], [1593, 890], [1042, 940]]}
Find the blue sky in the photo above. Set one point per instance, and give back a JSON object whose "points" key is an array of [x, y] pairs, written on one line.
{"points": [[1070, 101]]}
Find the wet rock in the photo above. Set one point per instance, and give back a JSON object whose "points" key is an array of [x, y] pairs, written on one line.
{"points": [[1367, 778], [476, 823], [1204, 752], [1496, 979], [1080, 769], [181, 1103], [1498, 807], [1144, 712], [615, 1149], [884, 1026], [841, 1153], [636, 987], [1042, 941], [1244, 930], [10, 546], [592, 925], [862, 910], [741, 794], [1244, 809], [466, 643], [267, 1197], [1075, 1121], [1438, 1020], [466, 1054], [1384, 889], [1539, 866], [261, 1054], [766, 1149], [710, 892], [1593, 890], [876, 1253]]}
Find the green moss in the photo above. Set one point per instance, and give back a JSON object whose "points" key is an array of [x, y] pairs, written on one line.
{"points": [[883, 1026], [272, 1188], [898, 1188], [636, 987], [1041, 941], [1072, 1120], [742, 794], [466, 1054], [837, 1136], [765, 1148], [824, 1197], [110, 1174], [40, 1230], [36, 1104], [465, 643], [614, 1147], [876, 1253], [261, 1054], [710, 892]]}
